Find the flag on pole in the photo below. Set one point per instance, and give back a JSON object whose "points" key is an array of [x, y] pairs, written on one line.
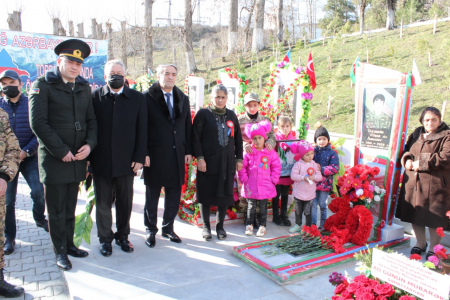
{"points": [[353, 70], [287, 58], [310, 71], [149, 72], [415, 74]]}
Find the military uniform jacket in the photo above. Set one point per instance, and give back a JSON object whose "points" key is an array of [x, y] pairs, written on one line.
{"points": [[9, 149], [63, 120]]}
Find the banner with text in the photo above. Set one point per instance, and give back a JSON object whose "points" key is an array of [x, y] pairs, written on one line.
{"points": [[31, 55], [410, 275]]}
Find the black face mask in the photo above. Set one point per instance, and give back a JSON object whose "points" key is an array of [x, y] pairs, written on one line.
{"points": [[116, 81], [11, 91]]}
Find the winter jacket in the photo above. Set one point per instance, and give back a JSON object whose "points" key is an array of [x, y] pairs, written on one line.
{"points": [[301, 189], [329, 164], [20, 123], [424, 197], [244, 119], [280, 137], [259, 178]]}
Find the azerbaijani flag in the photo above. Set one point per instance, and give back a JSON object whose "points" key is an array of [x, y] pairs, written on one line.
{"points": [[353, 70], [287, 58]]}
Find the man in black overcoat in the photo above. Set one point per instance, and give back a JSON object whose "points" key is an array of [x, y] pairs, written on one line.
{"points": [[169, 149], [121, 149], [63, 119]]}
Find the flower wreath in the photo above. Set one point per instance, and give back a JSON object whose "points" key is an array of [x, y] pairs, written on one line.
{"points": [[359, 224], [243, 82]]}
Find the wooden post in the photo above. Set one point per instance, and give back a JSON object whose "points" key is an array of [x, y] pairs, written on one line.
{"points": [[109, 35], [329, 107], [174, 50], [15, 21], [299, 60], [324, 37], [71, 29], [260, 82], [444, 106], [401, 29], [435, 23], [304, 41], [429, 59], [123, 55], [367, 55], [94, 28], [80, 32]]}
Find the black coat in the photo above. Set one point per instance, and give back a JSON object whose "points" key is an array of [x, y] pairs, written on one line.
{"points": [[63, 120], [168, 140], [122, 132], [215, 186]]}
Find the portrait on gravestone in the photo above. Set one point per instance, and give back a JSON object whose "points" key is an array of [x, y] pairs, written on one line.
{"points": [[286, 157], [231, 102], [192, 95], [377, 117]]}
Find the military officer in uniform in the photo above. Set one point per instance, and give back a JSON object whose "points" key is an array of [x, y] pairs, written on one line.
{"points": [[63, 119], [378, 119], [9, 165]]}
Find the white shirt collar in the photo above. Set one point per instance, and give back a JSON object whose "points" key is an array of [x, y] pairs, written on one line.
{"points": [[164, 93], [118, 93]]}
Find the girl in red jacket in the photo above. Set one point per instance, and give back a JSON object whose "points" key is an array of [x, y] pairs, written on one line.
{"points": [[259, 175]]}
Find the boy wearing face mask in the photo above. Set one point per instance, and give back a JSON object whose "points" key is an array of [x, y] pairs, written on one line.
{"points": [[16, 105], [121, 149]]}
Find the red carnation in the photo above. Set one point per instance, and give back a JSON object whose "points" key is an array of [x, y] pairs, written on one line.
{"points": [[384, 290], [415, 257], [246, 82], [361, 278], [353, 287], [367, 296], [407, 298], [440, 231]]}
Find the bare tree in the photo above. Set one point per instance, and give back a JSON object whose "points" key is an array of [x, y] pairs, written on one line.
{"points": [[80, 30], [311, 17], [247, 26], [123, 42], [258, 29], [58, 29], [71, 29], [362, 10], [148, 50], [94, 28], [233, 27], [280, 21], [109, 34], [100, 31], [15, 21], [187, 38], [390, 14]]}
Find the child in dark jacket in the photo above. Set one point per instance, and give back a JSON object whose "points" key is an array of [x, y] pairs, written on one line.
{"points": [[328, 160]]}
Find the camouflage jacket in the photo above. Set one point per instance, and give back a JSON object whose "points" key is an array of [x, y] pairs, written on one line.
{"points": [[9, 149], [244, 119]]}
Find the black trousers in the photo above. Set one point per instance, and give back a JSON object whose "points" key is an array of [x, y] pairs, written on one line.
{"points": [[171, 205], [61, 202], [251, 211], [303, 207], [104, 196], [220, 216], [283, 191]]}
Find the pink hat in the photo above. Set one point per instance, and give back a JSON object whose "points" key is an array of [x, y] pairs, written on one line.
{"points": [[301, 148], [261, 128]]}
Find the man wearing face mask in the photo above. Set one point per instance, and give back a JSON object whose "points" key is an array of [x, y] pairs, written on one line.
{"points": [[122, 145], [16, 105], [63, 119]]}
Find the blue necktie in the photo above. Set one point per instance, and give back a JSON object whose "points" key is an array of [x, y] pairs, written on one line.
{"points": [[169, 105]]}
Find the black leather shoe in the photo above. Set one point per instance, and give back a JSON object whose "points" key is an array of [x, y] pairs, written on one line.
{"points": [[75, 252], [151, 240], [9, 246], [125, 245], [172, 236], [417, 250], [63, 262], [42, 224], [106, 249], [206, 233], [221, 234]]}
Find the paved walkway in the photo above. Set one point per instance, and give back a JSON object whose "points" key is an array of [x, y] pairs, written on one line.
{"points": [[194, 269], [32, 265]]}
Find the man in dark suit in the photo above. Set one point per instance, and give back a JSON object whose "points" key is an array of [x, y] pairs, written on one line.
{"points": [[121, 148], [63, 119], [169, 149]]}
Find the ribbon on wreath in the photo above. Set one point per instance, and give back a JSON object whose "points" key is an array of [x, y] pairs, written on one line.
{"points": [[264, 161], [230, 125]]}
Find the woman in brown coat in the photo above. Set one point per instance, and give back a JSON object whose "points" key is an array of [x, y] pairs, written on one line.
{"points": [[425, 194]]}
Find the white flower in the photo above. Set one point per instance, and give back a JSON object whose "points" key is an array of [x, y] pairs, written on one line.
{"points": [[368, 200], [377, 198], [359, 192], [383, 191], [377, 189]]}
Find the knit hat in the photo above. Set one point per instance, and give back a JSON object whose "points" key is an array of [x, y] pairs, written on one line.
{"points": [[251, 97], [301, 148], [321, 131], [261, 128]]}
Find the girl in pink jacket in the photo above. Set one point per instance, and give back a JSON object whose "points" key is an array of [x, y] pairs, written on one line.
{"points": [[305, 175], [259, 175]]}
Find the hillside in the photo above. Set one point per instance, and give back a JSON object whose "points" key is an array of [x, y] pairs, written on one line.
{"points": [[386, 49]]}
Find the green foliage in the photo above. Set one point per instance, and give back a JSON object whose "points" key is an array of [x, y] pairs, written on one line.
{"points": [[423, 46], [437, 9], [411, 11], [83, 222], [337, 14], [240, 67], [299, 244], [376, 14]]}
